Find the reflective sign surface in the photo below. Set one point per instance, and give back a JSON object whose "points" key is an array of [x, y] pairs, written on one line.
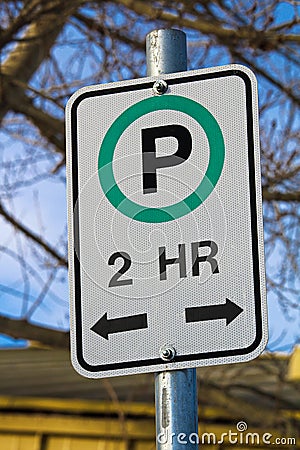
{"points": [[165, 223]]}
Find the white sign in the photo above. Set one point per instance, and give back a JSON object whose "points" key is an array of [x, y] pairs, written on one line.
{"points": [[165, 223]]}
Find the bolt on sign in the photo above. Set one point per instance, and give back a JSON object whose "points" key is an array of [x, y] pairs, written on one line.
{"points": [[165, 223]]}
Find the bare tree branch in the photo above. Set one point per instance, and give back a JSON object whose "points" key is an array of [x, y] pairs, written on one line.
{"points": [[27, 56], [51, 48], [21, 329], [271, 195], [35, 238], [262, 39]]}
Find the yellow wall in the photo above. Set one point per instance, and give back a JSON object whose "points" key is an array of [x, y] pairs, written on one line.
{"points": [[41, 424]]}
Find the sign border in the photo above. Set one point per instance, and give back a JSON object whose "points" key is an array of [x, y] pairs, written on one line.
{"points": [[253, 213]]}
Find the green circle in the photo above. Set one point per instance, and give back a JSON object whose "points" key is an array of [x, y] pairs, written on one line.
{"points": [[216, 159]]}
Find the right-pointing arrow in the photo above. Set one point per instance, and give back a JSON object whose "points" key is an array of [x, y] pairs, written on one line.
{"points": [[228, 311]]}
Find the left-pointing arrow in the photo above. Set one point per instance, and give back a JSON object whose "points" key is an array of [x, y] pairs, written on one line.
{"points": [[105, 326]]}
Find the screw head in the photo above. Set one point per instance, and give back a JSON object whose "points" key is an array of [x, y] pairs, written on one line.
{"points": [[167, 353], [160, 87]]}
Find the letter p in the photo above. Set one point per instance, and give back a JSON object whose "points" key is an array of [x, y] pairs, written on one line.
{"points": [[150, 160]]}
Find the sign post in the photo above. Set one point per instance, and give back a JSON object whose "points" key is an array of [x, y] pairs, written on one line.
{"points": [[176, 404], [166, 256], [166, 259]]}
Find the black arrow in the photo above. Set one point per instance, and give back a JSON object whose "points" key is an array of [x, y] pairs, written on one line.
{"points": [[228, 311], [104, 327]]}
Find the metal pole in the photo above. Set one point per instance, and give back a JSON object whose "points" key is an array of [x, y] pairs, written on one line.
{"points": [[176, 410], [176, 390], [166, 51]]}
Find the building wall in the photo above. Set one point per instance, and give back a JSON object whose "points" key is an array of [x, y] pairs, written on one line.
{"points": [[31, 424]]}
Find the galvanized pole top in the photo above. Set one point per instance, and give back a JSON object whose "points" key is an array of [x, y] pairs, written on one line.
{"points": [[166, 51]]}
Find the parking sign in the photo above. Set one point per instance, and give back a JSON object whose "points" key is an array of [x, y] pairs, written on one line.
{"points": [[165, 223]]}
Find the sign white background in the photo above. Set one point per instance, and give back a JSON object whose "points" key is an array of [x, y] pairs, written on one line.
{"points": [[224, 217]]}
